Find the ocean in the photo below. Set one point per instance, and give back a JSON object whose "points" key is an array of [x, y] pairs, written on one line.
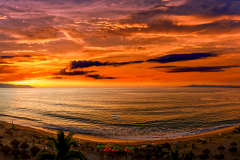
{"points": [[145, 113]]}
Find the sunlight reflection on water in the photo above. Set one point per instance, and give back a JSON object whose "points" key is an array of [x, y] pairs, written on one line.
{"points": [[138, 113]]}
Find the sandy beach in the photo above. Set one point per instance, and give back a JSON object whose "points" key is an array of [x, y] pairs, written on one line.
{"points": [[213, 139]]}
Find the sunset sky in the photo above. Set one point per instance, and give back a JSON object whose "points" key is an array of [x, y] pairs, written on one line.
{"points": [[111, 43]]}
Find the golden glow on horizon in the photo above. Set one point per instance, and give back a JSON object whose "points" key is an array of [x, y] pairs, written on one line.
{"points": [[120, 44]]}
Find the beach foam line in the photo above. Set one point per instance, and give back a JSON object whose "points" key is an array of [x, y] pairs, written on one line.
{"points": [[173, 135], [152, 133], [126, 142]]}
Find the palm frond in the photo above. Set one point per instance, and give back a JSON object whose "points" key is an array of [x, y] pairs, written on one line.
{"points": [[60, 136], [237, 129], [45, 156], [72, 143], [189, 155], [54, 142], [51, 139], [174, 154], [69, 137], [75, 155], [62, 145]]}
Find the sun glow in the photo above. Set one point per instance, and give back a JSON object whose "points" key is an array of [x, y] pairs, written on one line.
{"points": [[150, 44]]}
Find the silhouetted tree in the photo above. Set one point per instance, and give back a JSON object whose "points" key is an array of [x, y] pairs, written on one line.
{"points": [[61, 145]]}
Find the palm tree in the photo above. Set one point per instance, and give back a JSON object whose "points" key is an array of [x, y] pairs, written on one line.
{"points": [[174, 154], [61, 145], [187, 155]]}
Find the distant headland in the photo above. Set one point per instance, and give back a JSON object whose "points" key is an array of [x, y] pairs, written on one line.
{"points": [[213, 86], [3, 85]]}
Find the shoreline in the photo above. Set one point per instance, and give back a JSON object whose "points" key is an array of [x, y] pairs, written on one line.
{"points": [[103, 140], [35, 136]]}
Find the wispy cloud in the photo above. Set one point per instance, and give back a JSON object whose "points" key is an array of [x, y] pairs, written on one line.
{"points": [[56, 78], [73, 73], [118, 39], [7, 69], [201, 69], [7, 57], [17, 51], [85, 64], [97, 76], [5, 63]]}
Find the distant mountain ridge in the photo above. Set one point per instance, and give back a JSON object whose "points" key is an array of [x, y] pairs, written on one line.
{"points": [[2, 85], [213, 86]]}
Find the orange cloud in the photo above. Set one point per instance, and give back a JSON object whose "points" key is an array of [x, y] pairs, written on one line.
{"points": [[125, 43]]}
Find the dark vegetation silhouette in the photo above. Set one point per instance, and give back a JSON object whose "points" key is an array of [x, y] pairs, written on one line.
{"points": [[164, 152], [62, 149], [237, 130]]}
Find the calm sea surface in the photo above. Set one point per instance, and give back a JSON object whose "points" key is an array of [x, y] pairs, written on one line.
{"points": [[123, 113]]}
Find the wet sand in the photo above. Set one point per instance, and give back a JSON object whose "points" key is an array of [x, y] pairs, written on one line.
{"points": [[222, 136]]}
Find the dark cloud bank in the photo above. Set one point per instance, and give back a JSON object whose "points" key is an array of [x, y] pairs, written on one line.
{"points": [[75, 73], [85, 64], [164, 59], [181, 57], [201, 69]]}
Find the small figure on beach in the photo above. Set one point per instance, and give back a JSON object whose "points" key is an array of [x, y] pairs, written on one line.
{"points": [[13, 127]]}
